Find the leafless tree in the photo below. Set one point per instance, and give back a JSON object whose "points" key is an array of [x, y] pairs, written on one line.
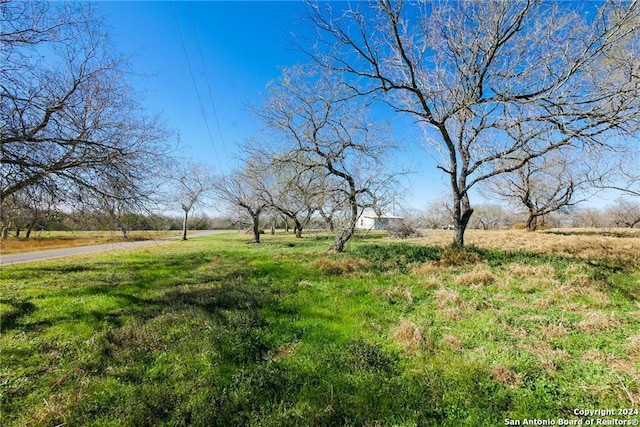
{"points": [[624, 213], [589, 217], [490, 80], [491, 216], [191, 182], [317, 127], [438, 214], [70, 125], [241, 190], [543, 185], [617, 170]]}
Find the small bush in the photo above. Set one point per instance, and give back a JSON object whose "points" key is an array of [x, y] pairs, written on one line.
{"points": [[403, 231]]}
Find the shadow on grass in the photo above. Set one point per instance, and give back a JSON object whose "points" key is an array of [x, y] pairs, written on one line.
{"points": [[17, 309]]}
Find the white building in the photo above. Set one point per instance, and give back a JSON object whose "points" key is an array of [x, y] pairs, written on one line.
{"points": [[369, 220]]}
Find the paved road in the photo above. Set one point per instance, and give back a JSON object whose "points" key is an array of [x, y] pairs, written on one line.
{"points": [[65, 252]]}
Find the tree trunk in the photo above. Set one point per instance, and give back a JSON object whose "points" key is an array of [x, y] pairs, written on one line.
{"points": [[28, 232], [462, 215], [185, 224], [461, 227], [532, 222], [343, 237], [256, 227], [298, 228]]}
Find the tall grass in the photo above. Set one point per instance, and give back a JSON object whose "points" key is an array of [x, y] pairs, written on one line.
{"points": [[216, 332]]}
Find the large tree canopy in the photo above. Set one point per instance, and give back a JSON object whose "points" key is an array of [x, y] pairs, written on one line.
{"points": [[491, 82], [69, 123]]}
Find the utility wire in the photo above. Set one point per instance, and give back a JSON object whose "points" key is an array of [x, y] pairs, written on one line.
{"points": [[193, 79], [206, 76]]}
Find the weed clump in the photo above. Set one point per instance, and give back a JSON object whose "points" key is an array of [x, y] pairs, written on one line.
{"points": [[455, 257], [409, 337], [394, 294], [505, 376], [341, 266], [633, 347], [476, 278], [597, 321]]}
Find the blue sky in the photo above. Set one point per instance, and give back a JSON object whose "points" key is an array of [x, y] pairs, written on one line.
{"points": [[234, 49]]}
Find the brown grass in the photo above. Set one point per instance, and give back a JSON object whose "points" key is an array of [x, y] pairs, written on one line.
{"points": [[409, 337], [505, 376], [395, 294], [341, 266], [633, 347], [453, 342], [554, 331], [476, 278], [446, 297], [598, 321], [60, 240], [580, 246]]}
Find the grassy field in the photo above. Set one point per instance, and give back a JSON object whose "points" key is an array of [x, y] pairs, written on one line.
{"points": [[213, 331], [66, 239]]}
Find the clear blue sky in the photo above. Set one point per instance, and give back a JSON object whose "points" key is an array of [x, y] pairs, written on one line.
{"points": [[234, 48]]}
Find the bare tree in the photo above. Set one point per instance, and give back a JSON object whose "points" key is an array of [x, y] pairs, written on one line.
{"points": [[624, 213], [491, 80], [70, 125], [241, 190], [320, 129], [491, 216], [543, 185], [191, 183], [617, 170]]}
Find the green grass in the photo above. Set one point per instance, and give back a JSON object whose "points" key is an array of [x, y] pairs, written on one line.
{"points": [[216, 332]]}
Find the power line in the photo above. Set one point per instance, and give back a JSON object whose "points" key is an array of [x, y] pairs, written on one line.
{"points": [[206, 76], [193, 79]]}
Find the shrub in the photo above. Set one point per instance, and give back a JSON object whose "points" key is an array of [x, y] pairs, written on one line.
{"points": [[403, 231]]}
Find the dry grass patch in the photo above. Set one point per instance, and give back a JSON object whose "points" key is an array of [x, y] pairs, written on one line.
{"points": [[58, 240], [341, 266], [446, 297], [527, 271], [395, 294], [505, 376], [554, 331], [632, 346], [548, 357], [476, 278], [453, 342], [584, 246], [598, 321], [449, 303], [409, 337], [305, 284], [429, 268]]}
